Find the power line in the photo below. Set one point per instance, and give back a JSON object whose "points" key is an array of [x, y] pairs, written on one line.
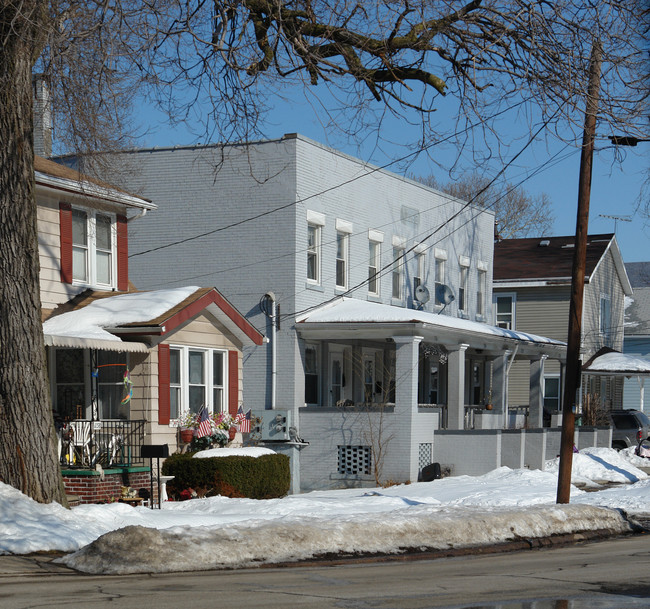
{"points": [[401, 258], [318, 194]]}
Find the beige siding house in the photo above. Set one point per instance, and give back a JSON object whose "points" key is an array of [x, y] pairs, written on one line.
{"points": [[531, 293], [124, 366]]}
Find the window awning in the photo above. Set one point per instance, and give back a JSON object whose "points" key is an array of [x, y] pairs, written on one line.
{"points": [[85, 342]]}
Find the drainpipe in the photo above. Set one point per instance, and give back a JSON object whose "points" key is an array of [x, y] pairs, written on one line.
{"points": [[272, 316]]}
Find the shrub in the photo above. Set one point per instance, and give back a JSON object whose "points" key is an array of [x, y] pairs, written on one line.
{"points": [[264, 477]]}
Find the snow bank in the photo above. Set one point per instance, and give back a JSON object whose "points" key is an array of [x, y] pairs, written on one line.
{"points": [[603, 465], [143, 550], [245, 451]]}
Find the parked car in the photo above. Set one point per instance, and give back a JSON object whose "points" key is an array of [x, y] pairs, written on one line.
{"points": [[630, 427]]}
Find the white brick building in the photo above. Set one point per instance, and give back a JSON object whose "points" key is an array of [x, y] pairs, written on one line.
{"points": [[304, 224]]}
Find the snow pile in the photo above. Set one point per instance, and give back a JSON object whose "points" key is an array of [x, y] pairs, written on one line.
{"points": [[456, 512], [244, 451], [603, 465], [141, 550]]}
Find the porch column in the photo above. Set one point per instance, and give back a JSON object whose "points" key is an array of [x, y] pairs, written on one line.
{"points": [[456, 386], [536, 399], [403, 447], [499, 386], [406, 373]]}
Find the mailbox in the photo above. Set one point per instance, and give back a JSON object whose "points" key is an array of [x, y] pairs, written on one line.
{"points": [[154, 451]]}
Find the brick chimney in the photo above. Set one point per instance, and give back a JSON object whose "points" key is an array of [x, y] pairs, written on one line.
{"points": [[42, 117]]}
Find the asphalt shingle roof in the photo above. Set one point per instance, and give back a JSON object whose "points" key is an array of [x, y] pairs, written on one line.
{"points": [[540, 258]]}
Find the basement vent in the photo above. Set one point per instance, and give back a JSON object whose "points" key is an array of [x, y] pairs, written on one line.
{"points": [[355, 460]]}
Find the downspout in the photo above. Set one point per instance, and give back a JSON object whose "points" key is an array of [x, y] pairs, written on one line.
{"points": [[138, 215], [506, 381], [274, 371]]}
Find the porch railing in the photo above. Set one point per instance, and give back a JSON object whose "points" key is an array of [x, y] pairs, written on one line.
{"points": [[107, 442]]}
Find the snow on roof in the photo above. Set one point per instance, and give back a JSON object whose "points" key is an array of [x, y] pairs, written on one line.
{"points": [[89, 322], [348, 310], [614, 362]]}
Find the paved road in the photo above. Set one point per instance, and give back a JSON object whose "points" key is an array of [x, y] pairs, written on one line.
{"points": [[597, 569]]}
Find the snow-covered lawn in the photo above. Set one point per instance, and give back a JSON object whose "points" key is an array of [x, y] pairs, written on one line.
{"points": [[221, 532]]}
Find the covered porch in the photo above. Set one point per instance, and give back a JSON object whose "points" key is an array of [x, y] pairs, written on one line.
{"points": [[410, 373]]}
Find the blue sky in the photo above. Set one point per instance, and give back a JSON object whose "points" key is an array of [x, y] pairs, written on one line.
{"points": [[616, 186]]}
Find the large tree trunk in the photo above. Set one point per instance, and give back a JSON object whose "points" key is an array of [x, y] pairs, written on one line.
{"points": [[28, 455]]}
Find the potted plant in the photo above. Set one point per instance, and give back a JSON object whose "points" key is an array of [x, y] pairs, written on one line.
{"points": [[187, 427]]}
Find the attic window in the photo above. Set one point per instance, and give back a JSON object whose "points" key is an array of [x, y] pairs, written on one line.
{"points": [[544, 243]]}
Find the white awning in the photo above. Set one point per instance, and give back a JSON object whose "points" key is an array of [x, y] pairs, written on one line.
{"points": [[84, 342]]}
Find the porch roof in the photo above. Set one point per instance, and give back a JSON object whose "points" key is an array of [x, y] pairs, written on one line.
{"points": [[613, 363], [353, 318], [102, 319]]}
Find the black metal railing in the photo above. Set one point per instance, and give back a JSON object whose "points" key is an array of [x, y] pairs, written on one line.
{"points": [[107, 442]]}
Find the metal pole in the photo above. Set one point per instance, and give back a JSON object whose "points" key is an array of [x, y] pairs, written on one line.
{"points": [[573, 367]]}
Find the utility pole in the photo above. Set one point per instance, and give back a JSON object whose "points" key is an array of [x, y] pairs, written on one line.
{"points": [[573, 364]]}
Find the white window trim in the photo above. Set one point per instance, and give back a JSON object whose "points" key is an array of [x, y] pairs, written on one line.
{"points": [[315, 217], [398, 269], [604, 332], [317, 253], [345, 240], [183, 406], [513, 297], [462, 285], [91, 248], [343, 226], [375, 235], [439, 262], [376, 265], [318, 373], [481, 302]]}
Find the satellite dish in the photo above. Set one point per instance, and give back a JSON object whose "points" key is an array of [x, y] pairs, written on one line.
{"points": [[444, 295], [422, 294]]}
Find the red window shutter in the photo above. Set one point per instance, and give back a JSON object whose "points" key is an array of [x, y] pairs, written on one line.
{"points": [[233, 382], [65, 234], [122, 254], [163, 384]]}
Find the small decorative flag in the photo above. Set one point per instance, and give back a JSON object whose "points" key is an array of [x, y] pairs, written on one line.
{"points": [[205, 427], [243, 421]]}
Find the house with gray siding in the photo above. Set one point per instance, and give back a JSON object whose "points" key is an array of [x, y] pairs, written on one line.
{"points": [[636, 340], [372, 290], [531, 292]]}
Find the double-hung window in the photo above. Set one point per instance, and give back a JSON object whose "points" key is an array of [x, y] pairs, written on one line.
{"points": [[311, 375], [505, 311], [398, 273], [93, 248], [462, 289], [374, 257], [313, 252], [196, 379], [440, 280], [342, 259], [480, 292], [420, 270], [605, 322]]}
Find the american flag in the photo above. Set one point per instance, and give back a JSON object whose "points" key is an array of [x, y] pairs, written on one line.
{"points": [[243, 420], [205, 427]]}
